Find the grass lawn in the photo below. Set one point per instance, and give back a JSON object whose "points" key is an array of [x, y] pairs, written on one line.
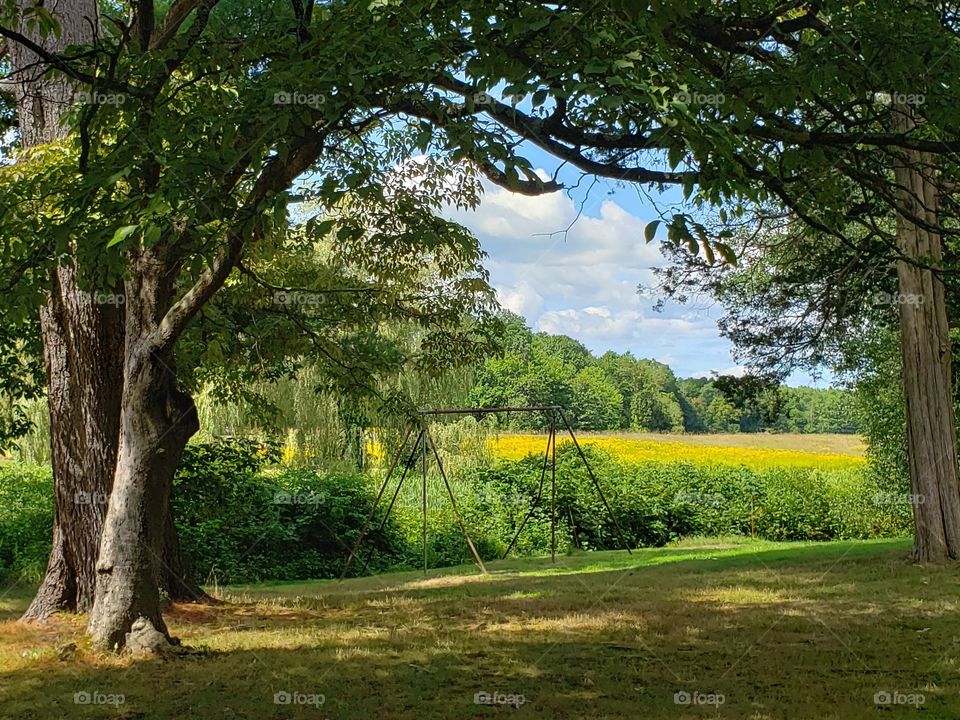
{"points": [[780, 630]]}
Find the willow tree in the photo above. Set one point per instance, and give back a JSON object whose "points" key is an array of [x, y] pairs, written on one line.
{"points": [[212, 112]]}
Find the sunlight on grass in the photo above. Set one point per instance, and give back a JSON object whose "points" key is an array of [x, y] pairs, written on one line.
{"points": [[602, 634], [740, 595], [520, 595]]}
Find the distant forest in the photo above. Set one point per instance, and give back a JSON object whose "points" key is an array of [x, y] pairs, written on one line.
{"points": [[622, 392]]}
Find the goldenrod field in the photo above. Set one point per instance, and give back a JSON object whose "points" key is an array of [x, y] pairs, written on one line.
{"points": [[644, 449]]}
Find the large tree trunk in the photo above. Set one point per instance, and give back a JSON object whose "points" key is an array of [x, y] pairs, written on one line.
{"points": [[83, 353], [927, 356], [83, 344], [157, 420], [82, 347]]}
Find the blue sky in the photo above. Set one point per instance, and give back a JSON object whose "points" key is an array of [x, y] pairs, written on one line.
{"points": [[583, 282]]}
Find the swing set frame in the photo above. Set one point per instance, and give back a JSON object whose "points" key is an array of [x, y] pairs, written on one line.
{"points": [[424, 440]]}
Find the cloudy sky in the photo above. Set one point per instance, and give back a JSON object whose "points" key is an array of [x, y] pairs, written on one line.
{"points": [[584, 282]]}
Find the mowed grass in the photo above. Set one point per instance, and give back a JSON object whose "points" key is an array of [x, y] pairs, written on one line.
{"points": [[758, 451], [794, 631]]}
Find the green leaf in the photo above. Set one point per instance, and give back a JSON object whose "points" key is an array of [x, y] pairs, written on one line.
{"points": [[322, 228], [675, 156], [726, 252], [121, 234], [151, 235], [708, 252], [650, 230]]}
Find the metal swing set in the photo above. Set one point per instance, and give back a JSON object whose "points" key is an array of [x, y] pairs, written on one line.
{"points": [[425, 443]]}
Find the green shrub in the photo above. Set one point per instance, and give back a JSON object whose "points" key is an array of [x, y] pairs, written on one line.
{"points": [[655, 503], [26, 521], [239, 523]]}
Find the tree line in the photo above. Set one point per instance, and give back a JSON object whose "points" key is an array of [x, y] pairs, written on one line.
{"points": [[621, 392]]}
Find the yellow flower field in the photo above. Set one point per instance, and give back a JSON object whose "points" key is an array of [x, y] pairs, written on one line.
{"points": [[636, 450]]}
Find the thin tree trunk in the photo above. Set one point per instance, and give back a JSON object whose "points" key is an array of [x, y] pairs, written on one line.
{"points": [[927, 357]]}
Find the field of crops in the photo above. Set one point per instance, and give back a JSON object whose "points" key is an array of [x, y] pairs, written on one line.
{"points": [[669, 451]]}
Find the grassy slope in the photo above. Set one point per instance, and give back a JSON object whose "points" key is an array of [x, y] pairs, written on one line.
{"points": [[782, 630]]}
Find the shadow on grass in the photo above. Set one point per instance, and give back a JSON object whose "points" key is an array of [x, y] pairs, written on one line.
{"points": [[807, 631]]}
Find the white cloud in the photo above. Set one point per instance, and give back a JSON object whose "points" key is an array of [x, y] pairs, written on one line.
{"points": [[521, 299], [667, 339], [576, 271]]}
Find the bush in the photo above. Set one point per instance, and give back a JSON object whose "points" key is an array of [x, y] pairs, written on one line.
{"points": [[656, 502], [239, 523], [26, 521]]}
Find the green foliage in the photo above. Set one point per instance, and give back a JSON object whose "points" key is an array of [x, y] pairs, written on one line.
{"points": [[241, 519], [621, 392], [595, 402], [240, 523], [26, 520], [658, 502]]}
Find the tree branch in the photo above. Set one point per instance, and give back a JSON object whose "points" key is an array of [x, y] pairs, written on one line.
{"points": [[172, 21], [63, 64], [275, 178], [144, 21]]}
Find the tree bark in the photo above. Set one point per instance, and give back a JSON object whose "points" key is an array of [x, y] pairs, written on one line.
{"points": [[81, 346], [157, 420], [83, 354], [927, 356]]}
